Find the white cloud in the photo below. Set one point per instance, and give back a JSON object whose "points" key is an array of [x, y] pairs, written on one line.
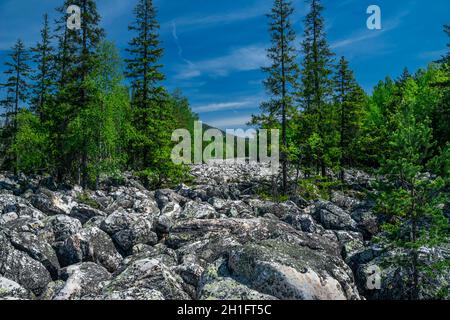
{"points": [[244, 103], [241, 59], [221, 106]]}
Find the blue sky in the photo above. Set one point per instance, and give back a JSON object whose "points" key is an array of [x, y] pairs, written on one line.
{"points": [[214, 48]]}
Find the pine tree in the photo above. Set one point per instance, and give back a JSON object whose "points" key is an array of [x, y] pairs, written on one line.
{"points": [[17, 83], [350, 99], [17, 88], [411, 199], [281, 83], [44, 76], [143, 69], [316, 86]]}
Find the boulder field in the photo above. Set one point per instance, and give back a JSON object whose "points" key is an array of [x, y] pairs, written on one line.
{"points": [[215, 239]]}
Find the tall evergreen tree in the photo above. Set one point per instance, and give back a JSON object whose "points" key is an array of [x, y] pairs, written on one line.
{"points": [[316, 86], [143, 69], [43, 57], [281, 82], [17, 84], [350, 99], [17, 87]]}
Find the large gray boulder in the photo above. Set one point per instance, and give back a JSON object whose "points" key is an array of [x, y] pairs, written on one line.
{"points": [[12, 290], [21, 268], [37, 248], [195, 210], [62, 226], [332, 217], [82, 280], [84, 213], [287, 270], [150, 274], [89, 245], [216, 283], [129, 229], [52, 203]]}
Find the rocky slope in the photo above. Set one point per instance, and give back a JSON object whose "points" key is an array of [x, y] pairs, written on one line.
{"points": [[214, 240]]}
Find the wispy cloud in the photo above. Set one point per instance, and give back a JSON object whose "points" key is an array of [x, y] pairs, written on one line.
{"points": [[366, 34], [241, 59], [244, 103], [194, 22]]}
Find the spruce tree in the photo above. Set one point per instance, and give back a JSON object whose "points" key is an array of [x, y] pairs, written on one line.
{"points": [[152, 118], [316, 86], [143, 69], [17, 84], [17, 87], [350, 100], [43, 57], [281, 83], [411, 200]]}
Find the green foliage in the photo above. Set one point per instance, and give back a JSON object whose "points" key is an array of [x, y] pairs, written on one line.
{"points": [[410, 198], [317, 187], [86, 199], [30, 146], [100, 127], [282, 78], [44, 76], [317, 121]]}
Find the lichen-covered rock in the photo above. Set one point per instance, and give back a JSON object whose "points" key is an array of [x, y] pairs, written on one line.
{"points": [[289, 271], [84, 213], [37, 248], [89, 245], [62, 226], [81, 280], [367, 221], [150, 274], [304, 222], [216, 283], [12, 290], [343, 201], [52, 203], [19, 206], [231, 208], [332, 217], [128, 230], [160, 252], [52, 290], [381, 279], [195, 210], [279, 210], [21, 268], [135, 294]]}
